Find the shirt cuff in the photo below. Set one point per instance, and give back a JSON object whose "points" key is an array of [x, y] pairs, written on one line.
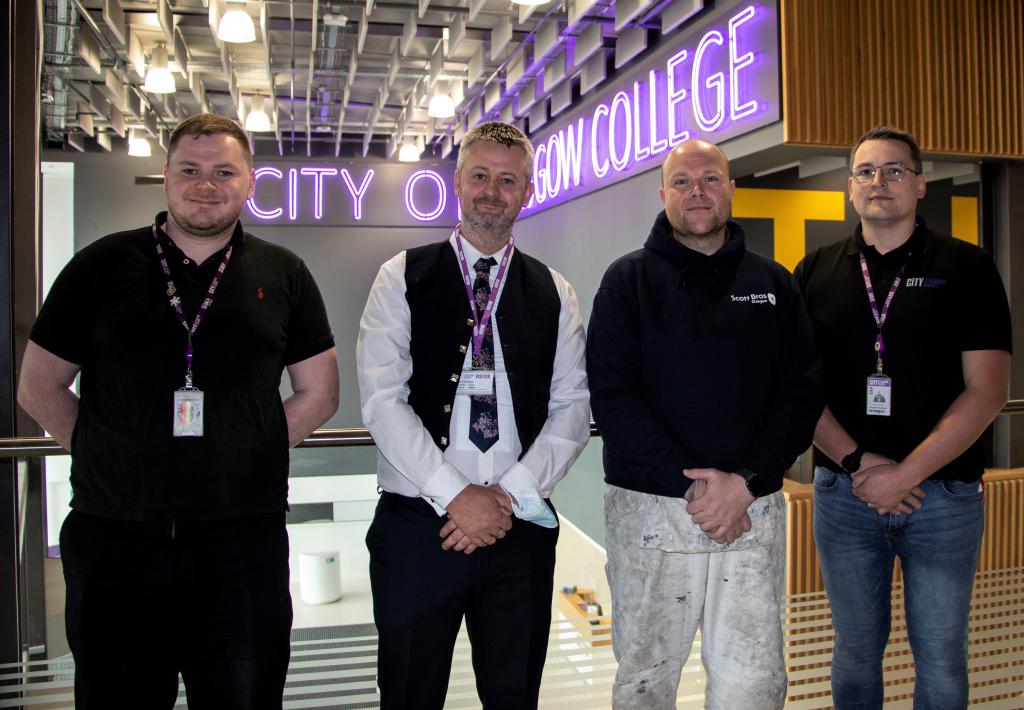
{"points": [[443, 485], [518, 478]]}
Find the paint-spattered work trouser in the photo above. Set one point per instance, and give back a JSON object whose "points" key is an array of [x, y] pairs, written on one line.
{"points": [[668, 578]]}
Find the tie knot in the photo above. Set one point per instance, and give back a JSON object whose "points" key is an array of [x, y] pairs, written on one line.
{"points": [[483, 265]]}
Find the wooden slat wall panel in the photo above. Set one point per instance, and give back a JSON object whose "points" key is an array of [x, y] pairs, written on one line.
{"points": [[949, 71], [994, 652], [803, 573], [1002, 545]]}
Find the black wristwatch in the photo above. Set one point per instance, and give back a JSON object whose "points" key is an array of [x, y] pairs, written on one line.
{"points": [[754, 483], [851, 462]]}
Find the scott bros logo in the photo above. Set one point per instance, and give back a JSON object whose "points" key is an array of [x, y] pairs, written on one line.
{"points": [[754, 298]]}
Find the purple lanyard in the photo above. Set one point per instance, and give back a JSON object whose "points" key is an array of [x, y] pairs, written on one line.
{"points": [[480, 326], [880, 317], [176, 300]]}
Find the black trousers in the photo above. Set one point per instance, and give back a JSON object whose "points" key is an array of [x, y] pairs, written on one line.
{"points": [[146, 601], [421, 594]]}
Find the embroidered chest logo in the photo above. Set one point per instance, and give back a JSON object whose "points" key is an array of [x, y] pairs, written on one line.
{"points": [[756, 298], [259, 293], [925, 282]]}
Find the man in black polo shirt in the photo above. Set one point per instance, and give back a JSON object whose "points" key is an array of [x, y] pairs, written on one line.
{"points": [[914, 331], [175, 553]]}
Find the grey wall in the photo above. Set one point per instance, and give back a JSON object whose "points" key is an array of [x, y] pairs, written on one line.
{"points": [[579, 239], [1008, 185], [344, 262]]}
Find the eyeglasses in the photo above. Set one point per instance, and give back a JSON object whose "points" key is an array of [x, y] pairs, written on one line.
{"points": [[891, 172]]}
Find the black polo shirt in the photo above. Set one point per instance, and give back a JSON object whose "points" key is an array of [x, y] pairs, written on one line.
{"points": [[952, 300], [109, 312]]}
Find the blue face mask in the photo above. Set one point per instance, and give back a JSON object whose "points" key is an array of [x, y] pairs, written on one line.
{"points": [[531, 507]]}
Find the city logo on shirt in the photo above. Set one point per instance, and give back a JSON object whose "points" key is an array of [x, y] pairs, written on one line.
{"points": [[924, 282], [754, 298]]}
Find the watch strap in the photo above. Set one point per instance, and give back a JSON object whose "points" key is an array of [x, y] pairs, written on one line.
{"points": [[851, 462], [754, 484]]}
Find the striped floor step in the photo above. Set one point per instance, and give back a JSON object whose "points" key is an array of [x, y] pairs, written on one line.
{"points": [[334, 668]]}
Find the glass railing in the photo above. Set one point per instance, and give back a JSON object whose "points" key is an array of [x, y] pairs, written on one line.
{"points": [[25, 446], [333, 492]]}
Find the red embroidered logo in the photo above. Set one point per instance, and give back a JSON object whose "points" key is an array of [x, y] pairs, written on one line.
{"points": [[259, 293]]}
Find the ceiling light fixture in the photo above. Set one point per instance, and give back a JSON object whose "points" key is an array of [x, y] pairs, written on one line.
{"points": [[236, 26], [441, 105], [138, 146], [409, 152], [530, 2], [159, 79], [257, 120]]}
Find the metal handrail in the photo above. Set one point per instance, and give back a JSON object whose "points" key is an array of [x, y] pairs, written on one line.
{"points": [[1014, 406], [28, 446]]}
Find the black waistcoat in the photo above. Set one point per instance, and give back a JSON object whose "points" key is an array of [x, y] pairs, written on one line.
{"points": [[442, 326]]}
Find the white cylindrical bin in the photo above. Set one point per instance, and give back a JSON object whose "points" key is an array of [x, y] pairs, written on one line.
{"points": [[319, 577]]}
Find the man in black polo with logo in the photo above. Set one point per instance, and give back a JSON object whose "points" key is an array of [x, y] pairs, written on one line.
{"points": [[175, 553], [471, 373], [914, 330]]}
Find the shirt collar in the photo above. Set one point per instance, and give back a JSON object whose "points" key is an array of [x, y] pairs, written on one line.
{"points": [[471, 252], [917, 243]]}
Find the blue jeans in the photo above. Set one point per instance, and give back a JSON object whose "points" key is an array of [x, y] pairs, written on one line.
{"points": [[938, 549]]}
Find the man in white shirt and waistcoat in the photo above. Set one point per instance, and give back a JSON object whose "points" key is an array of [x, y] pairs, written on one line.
{"points": [[473, 385]]}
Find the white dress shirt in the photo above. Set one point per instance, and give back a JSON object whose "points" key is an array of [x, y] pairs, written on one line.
{"points": [[409, 462]]}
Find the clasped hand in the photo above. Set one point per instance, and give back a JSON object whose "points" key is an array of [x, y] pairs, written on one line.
{"points": [[477, 517], [718, 502], [881, 484]]}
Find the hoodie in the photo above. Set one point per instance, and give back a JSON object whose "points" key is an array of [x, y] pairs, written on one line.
{"points": [[700, 361]]}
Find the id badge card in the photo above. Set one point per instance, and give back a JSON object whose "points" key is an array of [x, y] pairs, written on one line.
{"points": [[879, 396], [476, 382], [188, 412]]}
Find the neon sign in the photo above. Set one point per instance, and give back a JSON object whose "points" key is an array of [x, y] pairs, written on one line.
{"points": [[410, 199], [352, 194], [714, 82]]}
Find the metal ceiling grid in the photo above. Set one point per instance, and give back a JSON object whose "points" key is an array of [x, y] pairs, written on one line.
{"points": [[342, 78]]}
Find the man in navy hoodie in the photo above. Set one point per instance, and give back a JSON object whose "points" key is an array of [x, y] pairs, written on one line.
{"points": [[706, 387]]}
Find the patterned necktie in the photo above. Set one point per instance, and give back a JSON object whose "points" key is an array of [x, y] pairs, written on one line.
{"points": [[483, 409]]}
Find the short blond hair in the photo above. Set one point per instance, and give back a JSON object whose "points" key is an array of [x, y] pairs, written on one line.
{"points": [[500, 133]]}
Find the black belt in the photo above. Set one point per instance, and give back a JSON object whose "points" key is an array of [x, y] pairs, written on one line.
{"points": [[417, 504]]}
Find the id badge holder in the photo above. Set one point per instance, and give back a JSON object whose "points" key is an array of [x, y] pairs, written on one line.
{"points": [[879, 396], [476, 383], [188, 412]]}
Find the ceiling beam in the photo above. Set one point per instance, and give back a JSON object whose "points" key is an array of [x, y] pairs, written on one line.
{"points": [[309, 82]]}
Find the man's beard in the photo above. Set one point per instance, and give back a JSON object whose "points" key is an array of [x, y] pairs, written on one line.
{"points": [[210, 229], [499, 224]]}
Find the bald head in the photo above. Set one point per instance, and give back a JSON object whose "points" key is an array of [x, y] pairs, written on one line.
{"points": [[694, 148], [697, 194]]}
